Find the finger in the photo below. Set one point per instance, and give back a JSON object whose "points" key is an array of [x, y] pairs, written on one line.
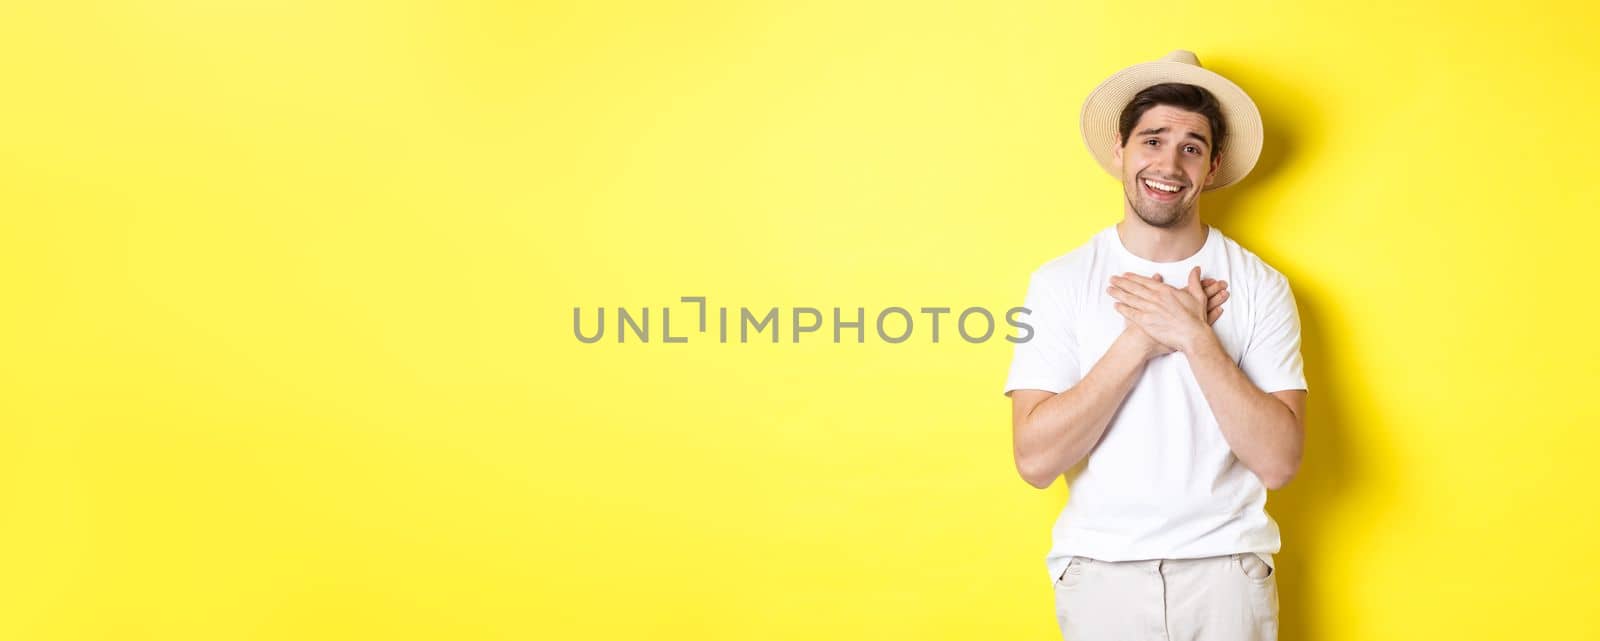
{"points": [[1216, 299], [1157, 277], [1150, 289], [1212, 286], [1194, 283], [1141, 285], [1132, 289], [1140, 279], [1127, 312], [1216, 313], [1129, 298], [1212, 310]]}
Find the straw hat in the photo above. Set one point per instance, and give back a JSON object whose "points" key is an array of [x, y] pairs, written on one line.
{"points": [[1103, 108]]}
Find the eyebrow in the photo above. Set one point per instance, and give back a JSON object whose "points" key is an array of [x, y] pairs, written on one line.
{"points": [[1162, 130]]}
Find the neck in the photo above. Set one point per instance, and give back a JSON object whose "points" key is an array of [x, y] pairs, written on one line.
{"points": [[1162, 244]]}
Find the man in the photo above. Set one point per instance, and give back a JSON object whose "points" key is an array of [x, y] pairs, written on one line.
{"points": [[1169, 418]]}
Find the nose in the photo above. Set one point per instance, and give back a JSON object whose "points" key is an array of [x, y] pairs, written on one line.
{"points": [[1169, 159], [1167, 164]]}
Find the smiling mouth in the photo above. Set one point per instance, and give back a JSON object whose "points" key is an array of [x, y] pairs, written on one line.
{"points": [[1159, 190]]}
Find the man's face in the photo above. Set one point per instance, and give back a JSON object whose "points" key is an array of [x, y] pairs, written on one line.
{"points": [[1169, 148]]}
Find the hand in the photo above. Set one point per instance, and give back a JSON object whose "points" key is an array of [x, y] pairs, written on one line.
{"points": [[1216, 292], [1166, 310]]}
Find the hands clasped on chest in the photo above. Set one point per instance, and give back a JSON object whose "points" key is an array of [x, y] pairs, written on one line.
{"points": [[1163, 318]]}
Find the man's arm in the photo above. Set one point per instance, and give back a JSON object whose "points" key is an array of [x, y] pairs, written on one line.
{"points": [[1266, 431], [1051, 432]]}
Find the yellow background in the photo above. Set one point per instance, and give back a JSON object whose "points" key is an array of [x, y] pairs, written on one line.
{"points": [[288, 295]]}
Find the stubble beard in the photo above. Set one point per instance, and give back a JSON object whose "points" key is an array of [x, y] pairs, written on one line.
{"points": [[1162, 215]]}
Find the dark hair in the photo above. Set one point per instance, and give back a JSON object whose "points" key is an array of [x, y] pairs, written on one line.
{"points": [[1182, 96]]}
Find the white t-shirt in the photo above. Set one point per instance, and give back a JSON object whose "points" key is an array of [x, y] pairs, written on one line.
{"points": [[1162, 483]]}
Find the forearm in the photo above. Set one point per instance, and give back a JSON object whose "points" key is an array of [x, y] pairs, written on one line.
{"points": [[1062, 429], [1261, 430]]}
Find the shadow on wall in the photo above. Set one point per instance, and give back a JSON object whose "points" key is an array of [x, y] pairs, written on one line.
{"points": [[1330, 467], [1327, 470]]}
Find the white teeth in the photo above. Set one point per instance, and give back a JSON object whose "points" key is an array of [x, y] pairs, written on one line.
{"points": [[1164, 188]]}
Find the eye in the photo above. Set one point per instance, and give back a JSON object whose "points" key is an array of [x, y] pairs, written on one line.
{"points": [[1192, 149], [1150, 141]]}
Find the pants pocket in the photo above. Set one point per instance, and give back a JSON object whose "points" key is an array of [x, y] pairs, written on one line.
{"points": [[1074, 572], [1253, 566], [1261, 586]]}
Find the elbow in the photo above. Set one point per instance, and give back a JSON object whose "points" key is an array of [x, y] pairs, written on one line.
{"points": [[1040, 481], [1035, 472], [1280, 477]]}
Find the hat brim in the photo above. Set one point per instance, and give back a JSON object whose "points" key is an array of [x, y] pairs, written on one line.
{"points": [[1103, 108]]}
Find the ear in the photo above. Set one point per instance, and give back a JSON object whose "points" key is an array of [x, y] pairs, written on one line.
{"points": [[1211, 176], [1116, 154]]}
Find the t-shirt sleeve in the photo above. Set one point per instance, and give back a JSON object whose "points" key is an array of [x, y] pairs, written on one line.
{"points": [[1048, 359], [1272, 360]]}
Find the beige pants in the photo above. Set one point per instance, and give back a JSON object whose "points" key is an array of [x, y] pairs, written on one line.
{"points": [[1218, 598]]}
